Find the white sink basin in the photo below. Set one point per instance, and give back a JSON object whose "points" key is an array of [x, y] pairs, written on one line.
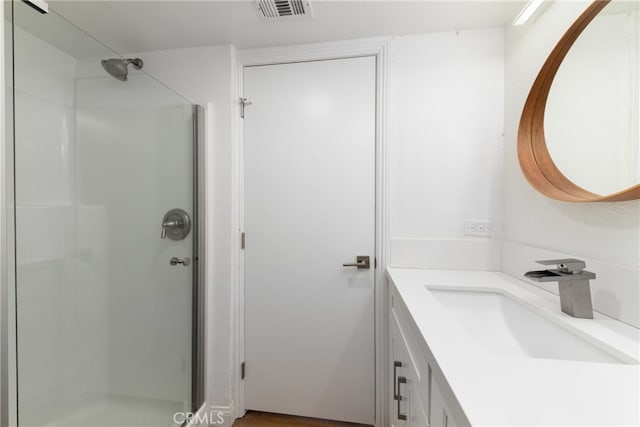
{"points": [[501, 324]]}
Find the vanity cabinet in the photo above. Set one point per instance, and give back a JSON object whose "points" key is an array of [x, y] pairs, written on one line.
{"points": [[416, 391], [457, 365]]}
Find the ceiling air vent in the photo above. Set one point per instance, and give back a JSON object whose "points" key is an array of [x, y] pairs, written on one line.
{"points": [[273, 10]]}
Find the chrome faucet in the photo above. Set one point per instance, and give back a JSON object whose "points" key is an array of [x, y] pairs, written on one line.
{"points": [[573, 284]]}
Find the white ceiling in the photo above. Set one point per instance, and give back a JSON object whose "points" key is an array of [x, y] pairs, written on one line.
{"points": [[139, 26]]}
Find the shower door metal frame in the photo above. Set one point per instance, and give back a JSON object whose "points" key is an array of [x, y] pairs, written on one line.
{"points": [[199, 249], [7, 245]]}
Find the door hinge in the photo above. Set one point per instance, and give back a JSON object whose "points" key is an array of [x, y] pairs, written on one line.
{"points": [[375, 262], [244, 102], [242, 370], [242, 240]]}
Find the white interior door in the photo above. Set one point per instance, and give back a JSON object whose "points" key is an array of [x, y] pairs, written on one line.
{"points": [[309, 208]]}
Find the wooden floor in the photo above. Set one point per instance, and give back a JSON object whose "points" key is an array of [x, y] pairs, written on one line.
{"points": [[264, 419]]}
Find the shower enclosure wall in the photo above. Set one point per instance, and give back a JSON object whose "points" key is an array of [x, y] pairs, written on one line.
{"points": [[104, 329]]}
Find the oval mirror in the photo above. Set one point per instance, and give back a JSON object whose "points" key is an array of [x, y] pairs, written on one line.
{"points": [[579, 131]]}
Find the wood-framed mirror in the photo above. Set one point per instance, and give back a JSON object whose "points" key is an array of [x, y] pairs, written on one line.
{"points": [[540, 148]]}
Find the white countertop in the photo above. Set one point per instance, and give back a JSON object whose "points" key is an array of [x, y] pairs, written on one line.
{"points": [[513, 391]]}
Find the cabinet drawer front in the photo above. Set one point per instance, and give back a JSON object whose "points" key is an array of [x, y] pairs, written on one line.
{"points": [[410, 410], [401, 376], [412, 342], [414, 365]]}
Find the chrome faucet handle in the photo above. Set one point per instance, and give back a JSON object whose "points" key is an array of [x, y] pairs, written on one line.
{"points": [[566, 265], [176, 225], [167, 224]]}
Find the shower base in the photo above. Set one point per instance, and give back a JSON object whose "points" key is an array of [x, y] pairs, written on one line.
{"points": [[104, 410]]}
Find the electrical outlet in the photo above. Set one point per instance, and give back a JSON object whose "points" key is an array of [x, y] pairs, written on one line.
{"points": [[477, 228]]}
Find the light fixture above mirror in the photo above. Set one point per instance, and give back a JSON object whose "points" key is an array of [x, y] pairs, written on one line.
{"points": [[528, 11]]}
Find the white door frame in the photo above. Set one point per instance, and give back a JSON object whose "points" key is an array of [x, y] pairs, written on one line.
{"points": [[377, 47]]}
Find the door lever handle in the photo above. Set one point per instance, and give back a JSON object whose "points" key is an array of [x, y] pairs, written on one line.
{"points": [[362, 262]]}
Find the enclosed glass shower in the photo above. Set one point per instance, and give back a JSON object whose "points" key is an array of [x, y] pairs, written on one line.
{"points": [[104, 303]]}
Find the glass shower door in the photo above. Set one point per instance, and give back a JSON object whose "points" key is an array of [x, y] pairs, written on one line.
{"points": [[104, 278]]}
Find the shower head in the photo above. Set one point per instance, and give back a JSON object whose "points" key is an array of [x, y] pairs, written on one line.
{"points": [[117, 67]]}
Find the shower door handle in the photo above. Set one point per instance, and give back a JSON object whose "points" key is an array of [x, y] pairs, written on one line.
{"points": [[183, 261]]}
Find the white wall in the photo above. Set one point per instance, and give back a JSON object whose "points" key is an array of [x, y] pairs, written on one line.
{"points": [[606, 235], [447, 112], [204, 75]]}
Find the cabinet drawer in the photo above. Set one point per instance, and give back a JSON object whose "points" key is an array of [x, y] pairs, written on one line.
{"points": [[411, 338], [410, 410]]}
